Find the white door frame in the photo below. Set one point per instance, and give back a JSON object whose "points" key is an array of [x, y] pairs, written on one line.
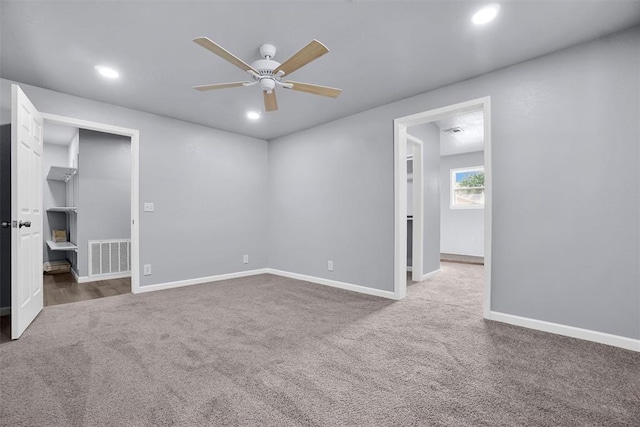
{"points": [[417, 236], [134, 134], [400, 126]]}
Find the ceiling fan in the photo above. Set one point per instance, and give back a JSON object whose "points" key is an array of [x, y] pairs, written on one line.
{"points": [[268, 73]]}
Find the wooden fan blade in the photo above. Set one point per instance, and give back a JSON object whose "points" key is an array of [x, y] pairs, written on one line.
{"points": [[220, 86], [223, 53], [313, 50], [314, 89], [270, 101]]}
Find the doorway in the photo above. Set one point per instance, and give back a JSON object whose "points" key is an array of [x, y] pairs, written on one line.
{"points": [[415, 207], [133, 136], [402, 128], [86, 214]]}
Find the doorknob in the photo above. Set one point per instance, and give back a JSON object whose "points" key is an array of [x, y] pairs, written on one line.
{"points": [[6, 224], [24, 224]]}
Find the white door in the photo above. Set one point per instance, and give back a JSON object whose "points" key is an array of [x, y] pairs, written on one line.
{"points": [[26, 212]]}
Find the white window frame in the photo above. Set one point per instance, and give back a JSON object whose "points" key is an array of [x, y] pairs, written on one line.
{"points": [[452, 181]]}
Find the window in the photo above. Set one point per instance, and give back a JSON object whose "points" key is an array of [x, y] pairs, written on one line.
{"points": [[467, 188]]}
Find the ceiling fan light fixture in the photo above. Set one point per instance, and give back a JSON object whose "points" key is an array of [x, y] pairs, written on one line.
{"points": [[486, 14], [107, 72], [253, 115], [267, 84]]}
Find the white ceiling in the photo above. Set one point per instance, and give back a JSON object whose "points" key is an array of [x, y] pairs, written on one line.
{"points": [[381, 51], [58, 134]]}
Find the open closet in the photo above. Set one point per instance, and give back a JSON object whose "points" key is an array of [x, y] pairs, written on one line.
{"points": [[87, 200]]}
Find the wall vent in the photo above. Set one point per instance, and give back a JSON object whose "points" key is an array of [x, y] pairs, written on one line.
{"points": [[109, 257], [453, 130]]}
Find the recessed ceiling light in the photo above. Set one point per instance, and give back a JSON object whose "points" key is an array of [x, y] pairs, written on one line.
{"points": [[486, 14], [253, 115], [107, 72]]}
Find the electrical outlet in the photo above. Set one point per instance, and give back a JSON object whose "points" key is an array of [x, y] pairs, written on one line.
{"points": [[147, 269], [149, 207], [245, 259], [330, 265]]}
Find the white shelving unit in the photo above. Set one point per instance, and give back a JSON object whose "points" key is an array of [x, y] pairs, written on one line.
{"points": [[61, 246], [59, 173], [63, 209], [64, 174]]}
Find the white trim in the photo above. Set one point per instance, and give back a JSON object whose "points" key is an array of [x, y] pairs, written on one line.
{"points": [[488, 205], [134, 134], [430, 275], [334, 283], [400, 198], [89, 279], [409, 268], [568, 331], [417, 235], [5, 311], [415, 140], [400, 209], [75, 275], [199, 280]]}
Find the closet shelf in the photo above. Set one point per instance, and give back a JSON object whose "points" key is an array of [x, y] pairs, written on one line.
{"points": [[59, 173], [61, 246], [63, 209]]}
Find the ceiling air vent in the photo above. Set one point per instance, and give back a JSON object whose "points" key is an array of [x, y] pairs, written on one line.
{"points": [[453, 130]]}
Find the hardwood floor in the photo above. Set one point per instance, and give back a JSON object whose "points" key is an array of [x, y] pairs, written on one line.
{"points": [[462, 259], [63, 289], [5, 328]]}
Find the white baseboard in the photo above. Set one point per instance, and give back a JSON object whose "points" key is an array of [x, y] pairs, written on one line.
{"points": [[200, 280], [569, 331], [334, 283], [430, 275], [88, 279], [312, 279], [5, 311]]}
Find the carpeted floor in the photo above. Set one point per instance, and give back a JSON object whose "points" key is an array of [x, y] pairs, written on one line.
{"points": [[266, 350]]}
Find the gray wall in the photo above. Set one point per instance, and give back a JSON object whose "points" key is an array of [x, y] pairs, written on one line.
{"points": [[331, 199], [566, 254], [53, 195], [104, 200], [430, 136], [209, 188], [462, 230]]}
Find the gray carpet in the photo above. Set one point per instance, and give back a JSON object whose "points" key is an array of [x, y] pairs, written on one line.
{"points": [[267, 350]]}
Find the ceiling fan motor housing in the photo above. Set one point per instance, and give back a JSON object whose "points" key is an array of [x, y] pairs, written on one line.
{"points": [[267, 51], [265, 66]]}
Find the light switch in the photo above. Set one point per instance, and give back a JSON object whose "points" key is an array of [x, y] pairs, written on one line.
{"points": [[148, 207]]}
